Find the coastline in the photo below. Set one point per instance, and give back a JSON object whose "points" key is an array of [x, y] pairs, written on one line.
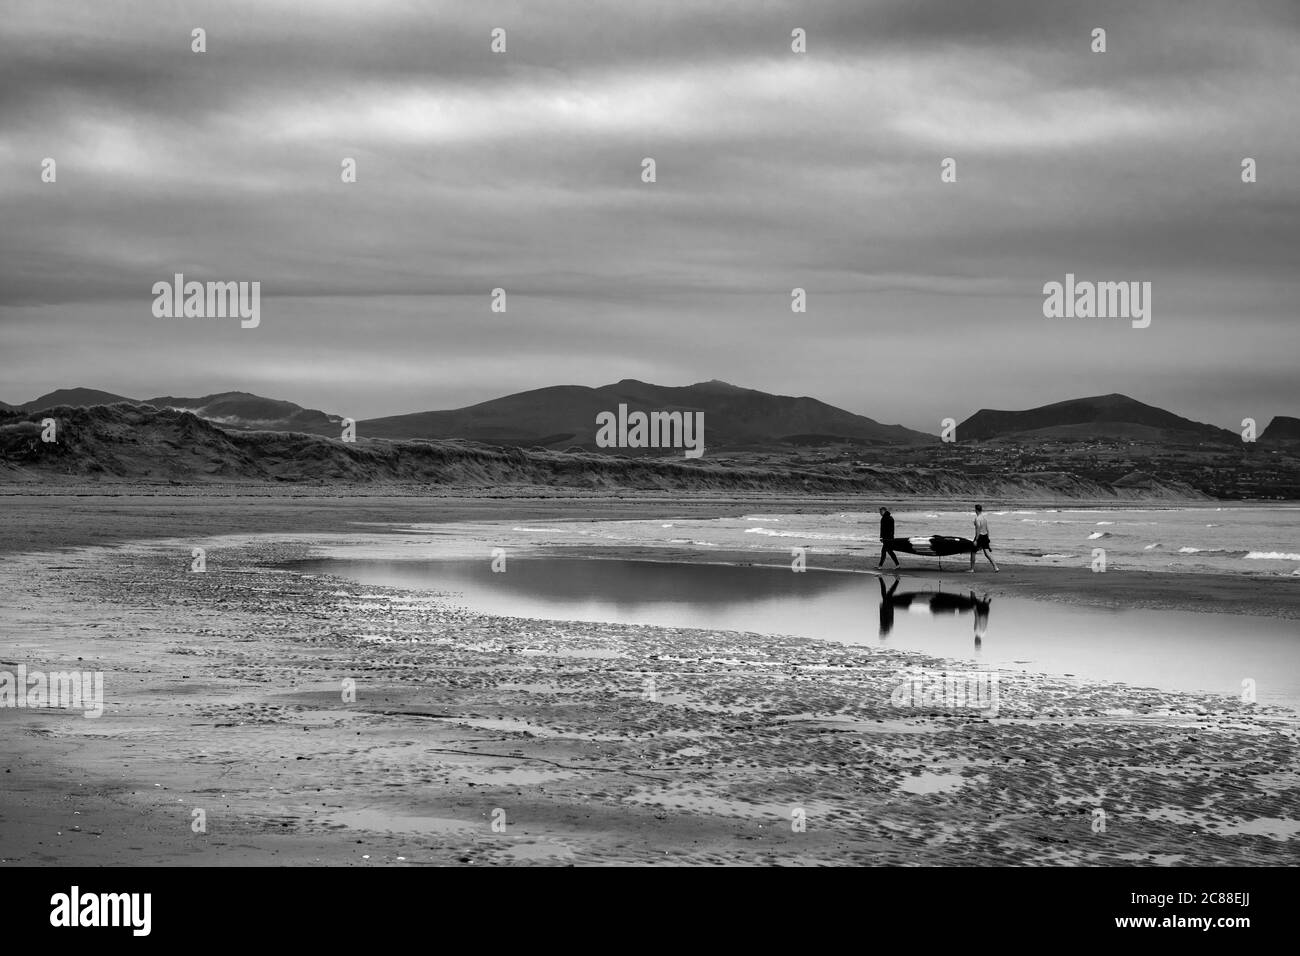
{"points": [[224, 692]]}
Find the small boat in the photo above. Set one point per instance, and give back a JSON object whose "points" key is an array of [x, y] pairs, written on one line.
{"points": [[935, 546]]}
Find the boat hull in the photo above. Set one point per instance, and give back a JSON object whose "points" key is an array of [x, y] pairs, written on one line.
{"points": [[935, 546]]}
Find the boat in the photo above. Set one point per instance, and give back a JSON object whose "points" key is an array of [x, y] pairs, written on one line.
{"points": [[935, 546]]}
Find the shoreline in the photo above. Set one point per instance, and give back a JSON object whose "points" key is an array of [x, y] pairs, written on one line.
{"points": [[52, 486], [225, 696]]}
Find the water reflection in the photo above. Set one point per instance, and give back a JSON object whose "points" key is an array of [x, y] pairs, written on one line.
{"points": [[1176, 650], [939, 602]]}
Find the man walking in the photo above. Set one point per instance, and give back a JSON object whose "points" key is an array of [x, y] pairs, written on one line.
{"points": [[886, 537], [982, 540]]}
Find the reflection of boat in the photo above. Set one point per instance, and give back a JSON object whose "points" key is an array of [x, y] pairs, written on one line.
{"points": [[941, 603], [938, 602]]}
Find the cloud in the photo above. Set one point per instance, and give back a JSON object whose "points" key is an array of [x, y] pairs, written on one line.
{"points": [[522, 170]]}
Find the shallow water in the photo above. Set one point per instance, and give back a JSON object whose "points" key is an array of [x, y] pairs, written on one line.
{"points": [[1227, 539], [1171, 650]]}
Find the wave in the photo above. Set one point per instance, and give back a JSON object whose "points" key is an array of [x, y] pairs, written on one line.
{"points": [[1099, 534], [809, 535], [1272, 556]]}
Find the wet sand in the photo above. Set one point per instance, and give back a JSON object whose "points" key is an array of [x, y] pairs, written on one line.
{"points": [[225, 694]]}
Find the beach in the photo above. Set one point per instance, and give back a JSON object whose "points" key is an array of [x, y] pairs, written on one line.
{"points": [[305, 718]]}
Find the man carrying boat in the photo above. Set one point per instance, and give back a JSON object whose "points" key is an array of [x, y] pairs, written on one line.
{"points": [[982, 540], [886, 537]]}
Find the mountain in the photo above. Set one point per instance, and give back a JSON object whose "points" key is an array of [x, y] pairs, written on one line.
{"points": [[563, 416], [1282, 428], [244, 410], [130, 445], [75, 397], [230, 409], [1105, 417]]}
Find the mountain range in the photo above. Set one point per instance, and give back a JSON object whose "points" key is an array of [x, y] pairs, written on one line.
{"points": [[231, 409], [563, 417], [134, 444]]}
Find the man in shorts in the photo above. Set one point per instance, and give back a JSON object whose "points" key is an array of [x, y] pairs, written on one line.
{"points": [[982, 540]]}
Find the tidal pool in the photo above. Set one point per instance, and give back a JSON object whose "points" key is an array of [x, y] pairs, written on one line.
{"points": [[954, 618]]}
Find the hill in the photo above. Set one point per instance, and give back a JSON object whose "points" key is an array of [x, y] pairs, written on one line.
{"points": [[245, 410], [1103, 417], [565, 415], [74, 396], [231, 409], [1282, 428]]}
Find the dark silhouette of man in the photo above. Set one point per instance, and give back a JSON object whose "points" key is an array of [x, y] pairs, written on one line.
{"points": [[889, 601], [886, 537]]}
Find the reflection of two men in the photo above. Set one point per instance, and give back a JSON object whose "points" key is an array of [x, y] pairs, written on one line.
{"points": [[939, 603]]}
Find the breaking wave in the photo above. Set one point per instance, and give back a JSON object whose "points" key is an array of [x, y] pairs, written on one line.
{"points": [[808, 534]]}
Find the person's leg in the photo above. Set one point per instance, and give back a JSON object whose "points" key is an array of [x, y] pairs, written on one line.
{"points": [[988, 553], [883, 548], [892, 555]]}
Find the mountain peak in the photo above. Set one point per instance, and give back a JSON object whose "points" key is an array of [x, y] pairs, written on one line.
{"points": [[1282, 428], [718, 385], [79, 396], [1101, 417]]}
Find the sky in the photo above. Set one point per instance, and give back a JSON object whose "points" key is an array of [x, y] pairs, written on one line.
{"points": [[774, 169]]}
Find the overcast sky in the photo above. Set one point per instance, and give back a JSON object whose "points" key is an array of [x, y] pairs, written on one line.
{"points": [[522, 170]]}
